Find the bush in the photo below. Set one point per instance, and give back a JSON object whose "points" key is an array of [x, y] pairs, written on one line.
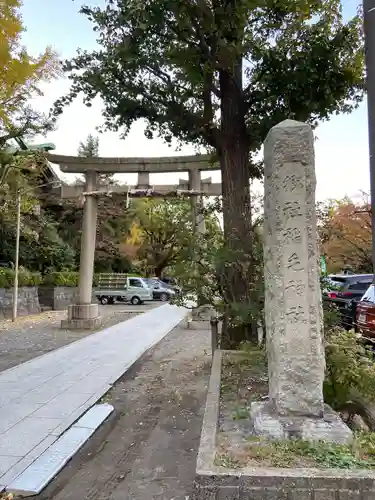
{"points": [[350, 368], [67, 278], [63, 278], [25, 278]]}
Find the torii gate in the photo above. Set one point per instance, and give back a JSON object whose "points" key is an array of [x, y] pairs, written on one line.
{"points": [[85, 314]]}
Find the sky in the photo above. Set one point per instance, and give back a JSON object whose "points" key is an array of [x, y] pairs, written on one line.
{"points": [[342, 165]]}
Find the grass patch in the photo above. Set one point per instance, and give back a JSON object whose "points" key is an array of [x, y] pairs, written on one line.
{"points": [[106, 398], [244, 379], [296, 453]]}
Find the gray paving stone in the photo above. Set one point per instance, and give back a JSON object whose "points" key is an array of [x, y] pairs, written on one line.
{"points": [[11, 391], [95, 416], [19, 411], [7, 463], [89, 384], [73, 417], [62, 406], [20, 466], [24, 436], [47, 465], [46, 393], [43, 470]]}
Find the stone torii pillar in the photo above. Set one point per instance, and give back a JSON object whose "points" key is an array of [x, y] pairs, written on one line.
{"points": [[196, 201], [85, 314], [143, 181]]}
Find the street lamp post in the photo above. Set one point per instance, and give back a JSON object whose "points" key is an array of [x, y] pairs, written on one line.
{"points": [[17, 253], [369, 30]]}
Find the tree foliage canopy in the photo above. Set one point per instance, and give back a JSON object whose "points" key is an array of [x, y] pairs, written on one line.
{"points": [[89, 148], [345, 230], [20, 76], [163, 61], [162, 233], [20, 79]]}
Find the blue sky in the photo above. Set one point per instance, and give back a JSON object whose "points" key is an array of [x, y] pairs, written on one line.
{"points": [[341, 148]]}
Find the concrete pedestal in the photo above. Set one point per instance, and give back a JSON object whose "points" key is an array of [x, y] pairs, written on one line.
{"points": [[329, 427], [82, 317]]}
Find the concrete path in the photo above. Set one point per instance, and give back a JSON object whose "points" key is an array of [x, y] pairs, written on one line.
{"points": [[43, 397], [32, 336]]}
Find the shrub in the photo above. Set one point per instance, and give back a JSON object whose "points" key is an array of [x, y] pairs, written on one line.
{"points": [[63, 278], [67, 278], [349, 367], [25, 278]]}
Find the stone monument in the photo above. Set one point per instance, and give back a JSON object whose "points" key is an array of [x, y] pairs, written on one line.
{"points": [[293, 309]]}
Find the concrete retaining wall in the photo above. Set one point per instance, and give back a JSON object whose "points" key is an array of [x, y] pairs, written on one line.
{"points": [[28, 301], [45, 296], [58, 297], [63, 296]]}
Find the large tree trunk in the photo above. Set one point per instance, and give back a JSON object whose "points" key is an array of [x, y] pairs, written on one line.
{"points": [[234, 164]]}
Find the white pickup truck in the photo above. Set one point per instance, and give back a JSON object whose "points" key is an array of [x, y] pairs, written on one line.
{"points": [[122, 288]]}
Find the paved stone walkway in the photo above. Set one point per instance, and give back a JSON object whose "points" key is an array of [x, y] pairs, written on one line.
{"points": [[41, 398], [32, 336]]}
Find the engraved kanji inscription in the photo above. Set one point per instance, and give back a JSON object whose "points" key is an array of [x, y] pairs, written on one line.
{"points": [[296, 314], [292, 182], [292, 209], [297, 286], [294, 263], [291, 235]]}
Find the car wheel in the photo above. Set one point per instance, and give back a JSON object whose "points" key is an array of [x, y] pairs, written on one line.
{"points": [[104, 301], [136, 301], [164, 297]]}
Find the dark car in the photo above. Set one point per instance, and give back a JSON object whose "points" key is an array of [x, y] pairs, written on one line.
{"points": [[366, 314], [344, 291], [160, 291], [348, 286]]}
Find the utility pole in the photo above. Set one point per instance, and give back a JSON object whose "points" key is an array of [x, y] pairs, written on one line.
{"points": [[17, 257], [20, 193], [369, 30]]}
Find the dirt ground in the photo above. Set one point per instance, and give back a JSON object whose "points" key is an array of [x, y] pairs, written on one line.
{"points": [[31, 336], [147, 448]]}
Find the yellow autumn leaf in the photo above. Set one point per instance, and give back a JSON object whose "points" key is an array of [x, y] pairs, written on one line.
{"points": [[20, 73]]}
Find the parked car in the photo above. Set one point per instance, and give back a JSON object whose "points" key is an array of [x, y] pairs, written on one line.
{"points": [[347, 286], [343, 291], [366, 314], [122, 288], [160, 291], [171, 283]]}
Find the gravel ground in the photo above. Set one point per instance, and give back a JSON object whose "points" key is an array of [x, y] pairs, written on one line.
{"points": [[147, 448], [31, 336]]}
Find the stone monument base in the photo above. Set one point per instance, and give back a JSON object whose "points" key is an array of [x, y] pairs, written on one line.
{"points": [[330, 427], [82, 317]]}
